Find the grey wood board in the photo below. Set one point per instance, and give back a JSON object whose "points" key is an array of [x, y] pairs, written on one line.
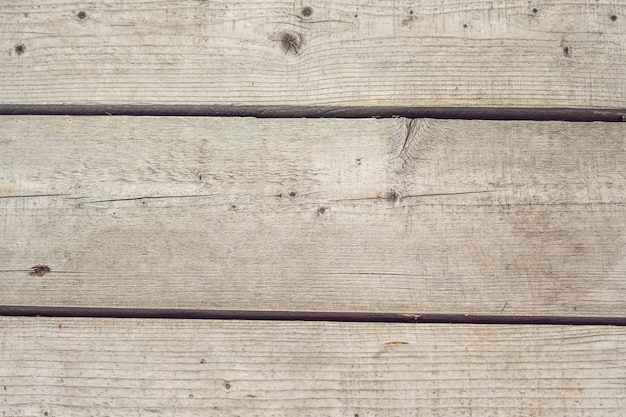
{"points": [[391, 216], [130, 367], [514, 54]]}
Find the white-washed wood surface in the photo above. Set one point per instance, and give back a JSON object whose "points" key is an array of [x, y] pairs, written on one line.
{"points": [[129, 367], [314, 215], [432, 53]]}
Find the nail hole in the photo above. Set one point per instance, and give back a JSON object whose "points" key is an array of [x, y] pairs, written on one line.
{"points": [[81, 15], [20, 48], [613, 17], [227, 385], [567, 51], [202, 360], [322, 210], [465, 25], [292, 194], [535, 10], [307, 11]]}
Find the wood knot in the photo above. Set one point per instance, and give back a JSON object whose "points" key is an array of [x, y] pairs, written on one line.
{"points": [[39, 270], [391, 196], [290, 42]]}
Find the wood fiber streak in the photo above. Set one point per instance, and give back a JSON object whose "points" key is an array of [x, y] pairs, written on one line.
{"points": [[129, 367], [432, 54], [342, 216]]}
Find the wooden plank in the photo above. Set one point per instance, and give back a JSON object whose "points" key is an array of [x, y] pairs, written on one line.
{"points": [[129, 367], [345, 216], [511, 54]]}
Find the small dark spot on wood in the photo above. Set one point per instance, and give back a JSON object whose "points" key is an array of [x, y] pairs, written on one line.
{"points": [[358, 161], [61, 325], [356, 15], [290, 42], [5, 387], [465, 25], [279, 195], [535, 10], [292, 194], [567, 50], [226, 385], [613, 17], [307, 11], [20, 48], [200, 177], [190, 395], [40, 270], [356, 415], [81, 15], [321, 211], [202, 360], [45, 413]]}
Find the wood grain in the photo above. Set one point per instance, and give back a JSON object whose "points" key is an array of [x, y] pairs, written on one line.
{"points": [[345, 216], [511, 54], [129, 367]]}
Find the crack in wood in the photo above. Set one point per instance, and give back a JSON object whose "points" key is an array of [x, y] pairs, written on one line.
{"points": [[411, 129], [32, 195], [400, 197], [150, 198]]}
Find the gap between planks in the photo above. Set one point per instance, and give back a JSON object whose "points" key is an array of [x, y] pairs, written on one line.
{"points": [[348, 112], [346, 317]]}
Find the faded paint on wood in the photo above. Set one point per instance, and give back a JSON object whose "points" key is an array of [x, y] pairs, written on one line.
{"points": [[431, 54], [127, 367], [346, 216]]}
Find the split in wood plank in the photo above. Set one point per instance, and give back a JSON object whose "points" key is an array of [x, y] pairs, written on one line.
{"points": [[510, 54], [392, 216]]}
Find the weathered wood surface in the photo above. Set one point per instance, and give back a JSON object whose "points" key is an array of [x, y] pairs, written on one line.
{"points": [[345, 216], [336, 54], [128, 367]]}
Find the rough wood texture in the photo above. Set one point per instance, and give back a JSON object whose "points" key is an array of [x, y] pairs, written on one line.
{"points": [[467, 53], [126, 367], [366, 216]]}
